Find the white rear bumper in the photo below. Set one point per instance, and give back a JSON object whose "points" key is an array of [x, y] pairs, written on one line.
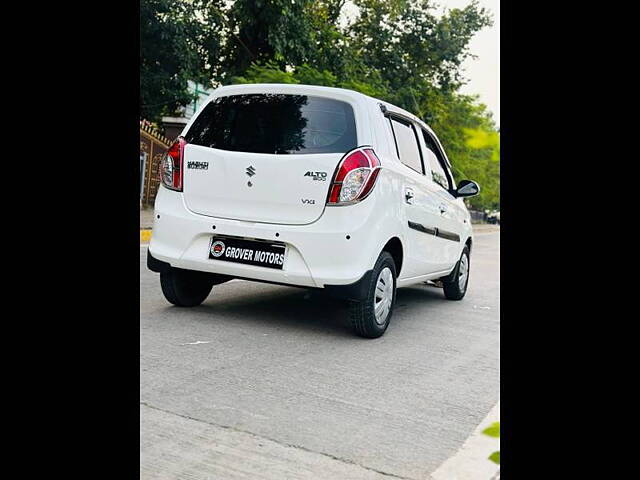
{"points": [[318, 254]]}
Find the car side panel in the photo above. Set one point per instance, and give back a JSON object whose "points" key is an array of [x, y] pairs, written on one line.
{"points": [[443, 253], [423, 252]]}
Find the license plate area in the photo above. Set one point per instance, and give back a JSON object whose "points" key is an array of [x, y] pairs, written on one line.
{"points": [[249, 252]]}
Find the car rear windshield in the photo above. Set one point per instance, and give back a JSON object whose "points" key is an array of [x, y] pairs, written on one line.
{"points": [[275, 123]]}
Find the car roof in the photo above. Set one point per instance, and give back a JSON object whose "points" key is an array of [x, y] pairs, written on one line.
{"points": [[285, 88]]}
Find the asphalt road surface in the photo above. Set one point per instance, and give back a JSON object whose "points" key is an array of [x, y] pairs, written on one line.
{"points": [[266, 381]]}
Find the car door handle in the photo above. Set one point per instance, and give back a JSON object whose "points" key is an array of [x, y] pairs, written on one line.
{"points": [[408, 195]]}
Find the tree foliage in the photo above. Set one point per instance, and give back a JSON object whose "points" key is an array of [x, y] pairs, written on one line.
{"points": [[178, 42], [264, 30], [401, 51]]}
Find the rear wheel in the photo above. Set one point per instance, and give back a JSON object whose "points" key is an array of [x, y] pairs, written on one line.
{"points": [[370, 317], [185, 288], [456, 288]]}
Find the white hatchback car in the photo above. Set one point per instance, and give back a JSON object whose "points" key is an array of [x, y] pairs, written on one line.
{"points": [[312, 187]]}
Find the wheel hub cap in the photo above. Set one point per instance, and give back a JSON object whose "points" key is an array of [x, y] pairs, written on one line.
{"points": [[463, 272], [383, 296]]}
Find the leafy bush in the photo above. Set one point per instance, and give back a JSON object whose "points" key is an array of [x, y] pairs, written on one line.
{"points": [[493, 431]]}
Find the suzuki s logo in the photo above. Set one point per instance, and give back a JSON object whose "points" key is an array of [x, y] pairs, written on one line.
{"points": [[317, 176], [251, 171], [308, 201]]}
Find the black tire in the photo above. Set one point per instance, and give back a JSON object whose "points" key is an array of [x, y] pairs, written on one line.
{"points": [[185, 288], [452, 288], [363, 318]]}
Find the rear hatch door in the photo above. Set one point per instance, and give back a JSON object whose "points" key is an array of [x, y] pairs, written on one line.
{"points": [[266, 157]]}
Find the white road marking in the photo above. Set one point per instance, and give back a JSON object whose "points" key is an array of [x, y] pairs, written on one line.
{"points": [[198, 342], [471, 462]]}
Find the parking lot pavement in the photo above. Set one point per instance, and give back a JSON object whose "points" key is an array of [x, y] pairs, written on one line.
{"points": [[266, 381], [482, 228], [146, 218]]}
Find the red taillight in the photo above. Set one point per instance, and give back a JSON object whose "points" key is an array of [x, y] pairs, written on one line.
{"points": [[171, 168], [355, 177]]}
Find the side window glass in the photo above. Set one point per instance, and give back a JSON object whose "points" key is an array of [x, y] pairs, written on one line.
{"points": [[407, 144], [436, 162]]}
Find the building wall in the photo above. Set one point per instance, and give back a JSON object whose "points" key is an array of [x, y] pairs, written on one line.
{"points": [[155, 146]]}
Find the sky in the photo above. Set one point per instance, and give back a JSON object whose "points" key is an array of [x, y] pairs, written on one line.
{"points": [[483, 73]]}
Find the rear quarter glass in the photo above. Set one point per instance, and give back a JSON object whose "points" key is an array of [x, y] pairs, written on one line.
{"points": [[275, 123]]}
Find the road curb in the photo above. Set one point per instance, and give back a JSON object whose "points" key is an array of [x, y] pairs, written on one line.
{"points": [[145, 235], [471, 461]]}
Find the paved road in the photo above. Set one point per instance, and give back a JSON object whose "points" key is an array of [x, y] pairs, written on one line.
{"points": [[265, 381]]}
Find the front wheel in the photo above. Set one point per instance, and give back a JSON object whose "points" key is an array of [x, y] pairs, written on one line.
{"points": [[370, 317], [456, 288], [185, 288]]}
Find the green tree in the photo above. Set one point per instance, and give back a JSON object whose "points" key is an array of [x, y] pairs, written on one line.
{"points": [[468, 134], [178, 41], [329, 43], [266, 30], [408, 43], [270, 72]]}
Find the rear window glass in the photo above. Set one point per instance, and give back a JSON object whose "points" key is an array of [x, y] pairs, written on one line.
{"points": [[275, 123]]}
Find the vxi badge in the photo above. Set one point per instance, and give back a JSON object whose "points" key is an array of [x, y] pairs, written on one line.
{"points": [[318, 176]]}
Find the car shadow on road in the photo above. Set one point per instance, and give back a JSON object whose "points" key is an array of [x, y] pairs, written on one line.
{"points": [[417, 296], [301, 309]]}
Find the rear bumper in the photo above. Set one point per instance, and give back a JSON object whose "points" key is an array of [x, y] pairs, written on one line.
{"points": [[319, 254], [356, 290]]}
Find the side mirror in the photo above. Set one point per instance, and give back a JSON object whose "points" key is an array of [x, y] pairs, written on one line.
{"points": [[467, 188]]}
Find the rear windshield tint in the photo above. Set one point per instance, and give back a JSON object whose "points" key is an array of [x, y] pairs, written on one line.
{"points": [[275, 123]]}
